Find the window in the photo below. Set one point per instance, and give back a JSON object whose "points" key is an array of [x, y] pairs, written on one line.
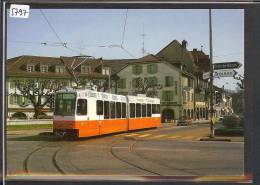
{"points": [[106, 71], [112, 109], [13, 99], [154, 109], [143, 110], [44, 68], [30, 68], [12, 84], [158, 109], [65, 104], [82, 107], [99, 107], [168, 81], [85, 69], [152, 68], [149, 110], [167, 96], [106, 109], [136, 82], [152, 80], [137, 69], [59, 69], [122, 83], [118, 110], [123, 110], [138, 110], [132, 110]]}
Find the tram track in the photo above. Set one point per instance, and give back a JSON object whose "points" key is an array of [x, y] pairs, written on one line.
{"points": [[160, 163], [122, 159], [53, 159]]}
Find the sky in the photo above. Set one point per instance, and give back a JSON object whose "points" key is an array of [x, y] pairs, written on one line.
{"points": [[99, 32]]}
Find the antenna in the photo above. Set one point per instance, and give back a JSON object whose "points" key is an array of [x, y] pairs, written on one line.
{"points": [[143, 35]]}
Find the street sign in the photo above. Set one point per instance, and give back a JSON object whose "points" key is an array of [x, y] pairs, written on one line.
{"points": [[227, 65], [225, 73], [206, 75]]}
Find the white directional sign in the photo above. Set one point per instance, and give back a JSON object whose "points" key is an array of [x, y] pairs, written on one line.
{"points": [[206, 75], [225, 73]]}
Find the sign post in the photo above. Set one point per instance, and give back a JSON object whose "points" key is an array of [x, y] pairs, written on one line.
{"points": [[227, 65], [225, 73]]}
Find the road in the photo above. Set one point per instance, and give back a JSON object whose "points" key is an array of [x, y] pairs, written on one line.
{"points": [[165, 151]]}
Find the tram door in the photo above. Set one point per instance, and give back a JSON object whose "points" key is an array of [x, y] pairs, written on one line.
{"points": [[100, 114]]}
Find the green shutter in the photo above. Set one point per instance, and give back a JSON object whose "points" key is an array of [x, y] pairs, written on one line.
{"points": [[11, 99], [122, 83], [149, 68], [134, 82]]}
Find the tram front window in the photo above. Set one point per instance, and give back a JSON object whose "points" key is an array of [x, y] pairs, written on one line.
{"points": [[65, 104]]}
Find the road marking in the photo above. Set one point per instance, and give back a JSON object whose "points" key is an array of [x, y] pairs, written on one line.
{"points": [[174, 137], [188, 137], [131, 135], [145, 135], [159, 136]]}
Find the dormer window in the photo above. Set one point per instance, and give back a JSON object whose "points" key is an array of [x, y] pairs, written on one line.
{"points": [[59, 69], [30, 67], [85, 69], [44, 68], [106, 71]]}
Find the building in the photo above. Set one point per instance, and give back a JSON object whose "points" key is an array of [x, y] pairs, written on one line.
{"points": [[154, 77], [194, 88], [174, 75], [65, 71]]}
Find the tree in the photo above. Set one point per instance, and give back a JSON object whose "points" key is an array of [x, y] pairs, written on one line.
{"points": [[148, 86], [240, 84], [39, 92]]}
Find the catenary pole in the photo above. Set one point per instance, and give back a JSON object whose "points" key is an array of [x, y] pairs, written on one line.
{"points": [[212, 133]]}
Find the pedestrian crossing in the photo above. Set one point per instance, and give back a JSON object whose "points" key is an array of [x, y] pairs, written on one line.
{"points": [[154, 136]]}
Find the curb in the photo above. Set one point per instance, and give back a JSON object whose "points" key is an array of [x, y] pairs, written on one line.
{"points": [[215, 139]]}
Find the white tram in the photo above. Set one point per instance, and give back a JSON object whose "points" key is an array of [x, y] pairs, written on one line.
{"points": [[84, 113]]}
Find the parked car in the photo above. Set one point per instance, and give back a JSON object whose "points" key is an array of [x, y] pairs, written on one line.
{"points": [[184, 121]]}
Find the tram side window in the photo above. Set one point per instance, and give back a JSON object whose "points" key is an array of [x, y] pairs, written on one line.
{"points": [[158, 109], [106, 109], [149, 110], [143, 110], [112, 109], [118, 110], [82, 107], [99, 107], [138, 110], [132, 110], [123, 110], [154, 109]]}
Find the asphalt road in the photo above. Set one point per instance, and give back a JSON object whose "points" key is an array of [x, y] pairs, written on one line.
{"points": [[164, 151]]}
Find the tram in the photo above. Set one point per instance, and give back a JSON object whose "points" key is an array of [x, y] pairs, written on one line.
{"points": [[85, 113]]}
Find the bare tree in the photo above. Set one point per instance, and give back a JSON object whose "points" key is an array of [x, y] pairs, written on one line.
{"points": [[39, 92], [240, 84], [147, 86]]}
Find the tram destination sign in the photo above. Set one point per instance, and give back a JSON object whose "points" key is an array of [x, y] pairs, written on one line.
{"points": [[227, 65]]}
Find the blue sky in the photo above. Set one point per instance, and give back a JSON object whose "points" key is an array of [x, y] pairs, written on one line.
{"points": [[85, 31]]}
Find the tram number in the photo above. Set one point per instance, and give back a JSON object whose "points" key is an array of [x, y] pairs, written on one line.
{"points": [[19, 11]]}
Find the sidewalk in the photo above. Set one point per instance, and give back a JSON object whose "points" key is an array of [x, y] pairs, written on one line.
{"points": [[193, 122]]}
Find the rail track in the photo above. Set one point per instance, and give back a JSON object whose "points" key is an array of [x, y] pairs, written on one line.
{"points": [[36, 151], [124, 160]]}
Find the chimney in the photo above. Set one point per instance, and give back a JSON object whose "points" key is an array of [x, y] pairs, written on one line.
{"points": [[184, 44]]}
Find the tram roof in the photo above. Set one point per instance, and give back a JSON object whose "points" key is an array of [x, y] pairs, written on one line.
{"points": [[87, 93]]}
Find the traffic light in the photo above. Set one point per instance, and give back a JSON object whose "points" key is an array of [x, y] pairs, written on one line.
{"points": [[218, 97]]}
